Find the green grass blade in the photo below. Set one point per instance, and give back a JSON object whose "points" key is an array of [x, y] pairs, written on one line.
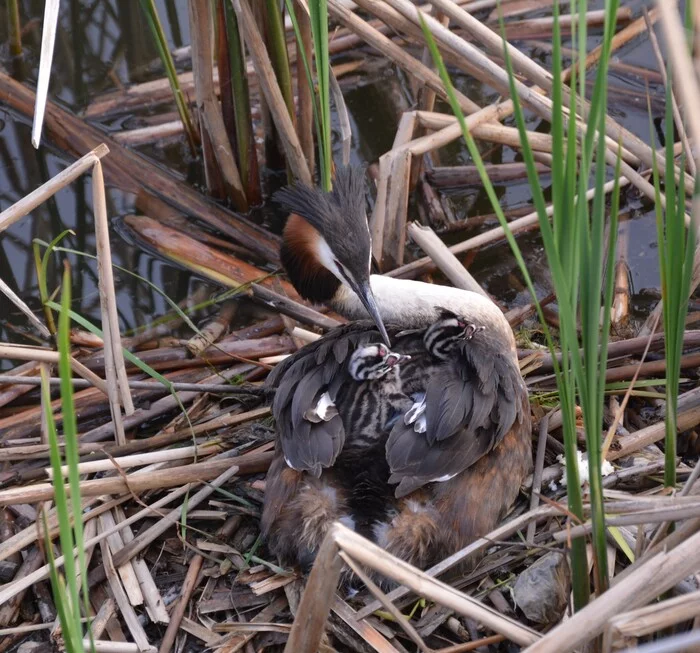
{"points": [[68, 595], [70, 436]]}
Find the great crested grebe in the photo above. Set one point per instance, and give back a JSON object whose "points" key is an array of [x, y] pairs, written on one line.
{"points": [[417, 434]]}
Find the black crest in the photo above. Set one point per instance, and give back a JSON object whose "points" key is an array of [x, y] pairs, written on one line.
{"points": [[339, 216]]}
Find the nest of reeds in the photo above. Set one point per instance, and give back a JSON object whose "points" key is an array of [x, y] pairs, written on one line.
{"points": [[163, 442]]}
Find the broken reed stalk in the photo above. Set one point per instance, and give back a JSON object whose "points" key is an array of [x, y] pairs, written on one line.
{"points": [[38, 196], [114, 358], [448, 263], [216, 147], [172, 477], [325, 576]]}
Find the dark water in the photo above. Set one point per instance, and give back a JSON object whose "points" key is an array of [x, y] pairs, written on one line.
{"points": [[104, 44]]}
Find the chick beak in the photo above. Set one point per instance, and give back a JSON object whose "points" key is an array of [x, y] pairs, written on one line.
{"points": [[364, 292], [395, 359]]}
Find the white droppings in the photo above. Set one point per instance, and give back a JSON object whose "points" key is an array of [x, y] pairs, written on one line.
{"points": [[583, 469]]}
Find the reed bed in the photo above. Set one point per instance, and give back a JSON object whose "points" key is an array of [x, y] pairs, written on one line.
{"points": [[161, 444]]}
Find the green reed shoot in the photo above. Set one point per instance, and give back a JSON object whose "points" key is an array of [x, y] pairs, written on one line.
{"points": [[277, 44], [15, 28], [676, 246], [151, 13], [66, 588], [318, 10], [577, 255]]}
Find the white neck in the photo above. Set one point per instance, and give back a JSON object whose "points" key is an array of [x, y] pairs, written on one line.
{"points": [[414, 304]]}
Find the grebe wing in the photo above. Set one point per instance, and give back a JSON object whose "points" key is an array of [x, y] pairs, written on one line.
{"points": [[469, 405], [309, 429]]}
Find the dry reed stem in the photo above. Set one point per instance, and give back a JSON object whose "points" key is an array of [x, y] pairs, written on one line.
{"points": [[211, 120], [115, 368], [648, 581], [161, 479], [136, 460], [145, 135], [224, 388], [677, 118], [271, 90], [317, 599], [40, 355], [104, 614], [127, 611], [648, 620], [373, 556], [105, 646], [126, 572], [388, 219], [155, 606], [537, 475], [38, 196], [496, 234], [448, 263], [532, 70], [17, 301], [12, 589], [178, 611], [685, 80]]}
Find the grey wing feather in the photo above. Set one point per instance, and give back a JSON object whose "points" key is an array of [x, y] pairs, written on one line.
{"points": [[471, 403], [299, 382]]}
